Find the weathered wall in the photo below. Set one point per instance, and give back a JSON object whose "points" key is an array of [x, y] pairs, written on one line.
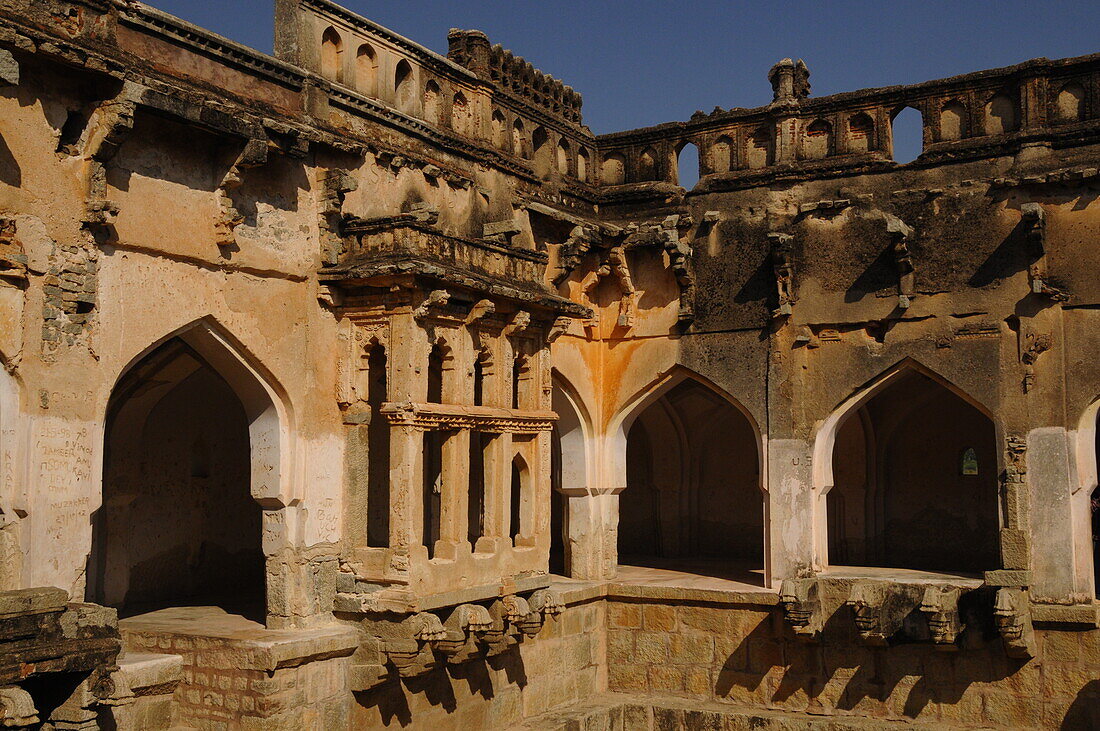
{"points": [[744, 655]]}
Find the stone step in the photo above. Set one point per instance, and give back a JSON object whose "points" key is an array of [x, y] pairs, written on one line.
{"points": [[622, 712], [152, 680]]}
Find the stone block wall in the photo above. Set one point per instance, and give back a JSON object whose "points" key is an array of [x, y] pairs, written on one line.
{"points": [[565, 664], [746, 655], [219, 691]]}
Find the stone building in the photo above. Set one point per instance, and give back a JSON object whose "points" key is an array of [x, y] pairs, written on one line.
{"points": [[363, 386]]}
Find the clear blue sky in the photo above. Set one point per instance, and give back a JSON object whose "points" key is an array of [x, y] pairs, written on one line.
{"points": [[645, 62]]}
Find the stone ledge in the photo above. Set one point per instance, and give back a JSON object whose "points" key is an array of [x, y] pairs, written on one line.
{"points": [[147, 671], [1085, 616], [580, 593], [615, 710]]}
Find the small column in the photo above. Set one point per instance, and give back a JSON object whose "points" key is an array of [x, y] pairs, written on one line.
{"points": [[592, 551], [498, 487], [793, 510], [406, 488], [454, 500]]}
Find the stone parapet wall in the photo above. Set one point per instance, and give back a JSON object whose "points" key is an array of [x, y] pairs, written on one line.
{"points": [[746, 655]]}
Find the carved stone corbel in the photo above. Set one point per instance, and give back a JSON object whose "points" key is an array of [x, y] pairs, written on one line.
{"points": [[880, 609], [335, 186], [17, 709], [13, 259], [546, 602], [557, 329], [582, 239], [782, 255], [1036, 345], [801, 602], [435, 300], [517, 613], [253, 155], [1012, 615], [679, 256], [940, 606], [111, 123], [481, 309], [501, 232], [9, 69], [1033, 221], [900, 234]]}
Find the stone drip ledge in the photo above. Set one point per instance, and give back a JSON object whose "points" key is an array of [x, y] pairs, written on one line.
{"points": [[637, 713], [577, 592], [251, 649]]}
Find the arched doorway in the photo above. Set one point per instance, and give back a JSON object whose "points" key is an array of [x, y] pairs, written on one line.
{"points": [[1094, 511], [914, 480], [568, 472], [693, 486], [190, 446]]}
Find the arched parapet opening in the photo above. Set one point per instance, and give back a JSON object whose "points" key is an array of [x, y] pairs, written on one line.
{"points": [[692, 460], [908, 456], [332, 55], [197, 479]]}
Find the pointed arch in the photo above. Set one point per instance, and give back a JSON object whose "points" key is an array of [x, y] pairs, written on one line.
{"points": [[366, 70], [1085, 500], [404, 87], [575, 433], [521, 503], [692, 459], [878, 461], [266, 403], [647, 165], [332, 55]]}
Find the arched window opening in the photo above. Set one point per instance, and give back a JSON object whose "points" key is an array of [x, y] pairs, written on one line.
{"points": [[366, 71], [403, 87], [613, 171], [437, 362], [693, 495], [378, 451], [178, 524], [907, 135], [519, 140], [647, 165], [332, 55], [721, 155], [953, 121], [544, 160], [563, 158], [582, 165], [816, 143], [462, 117], [501, 140], [687, 166], [521, 502], [1001, 115], [521, 381], [481, 444], [915, 482], [1070, 104], [861, 131], [433, 103], [760, 149], [482, 367], [433, 488]]}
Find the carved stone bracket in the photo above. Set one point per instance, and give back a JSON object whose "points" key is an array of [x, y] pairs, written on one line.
{"points": [[900, 234], [557, 329], [254, 154], [782, 255], [612, 264], [1033, 222], [336, 184], [801, 602], [881, 608], [582, 239], [482, 309], [1012, 615], [17, 709], [9, 69], [940, 606], [436, 300], [1035, 345], [13, 259], [111, 123], [501, 232]]}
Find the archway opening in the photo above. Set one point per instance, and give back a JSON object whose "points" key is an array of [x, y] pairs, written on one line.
{"points": [[568, 475], [1094, 506], [907, 134], [915, 482], [332, 55], [179, 525], [687, 166], [693, 499]]}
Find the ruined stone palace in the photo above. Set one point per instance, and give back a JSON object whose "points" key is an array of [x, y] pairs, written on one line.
{"points": [[362, 386]]}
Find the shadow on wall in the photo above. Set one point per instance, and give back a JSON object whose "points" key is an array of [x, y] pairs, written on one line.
{"points": [[813, 672], [10, 173], [437, 688], [1084, 712]]}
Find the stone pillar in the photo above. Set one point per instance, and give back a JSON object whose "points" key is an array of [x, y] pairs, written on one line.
{"points": [[498, 487], [593, 522], [793, 510], [454, 500], [1050, 476], [406, 487]]}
